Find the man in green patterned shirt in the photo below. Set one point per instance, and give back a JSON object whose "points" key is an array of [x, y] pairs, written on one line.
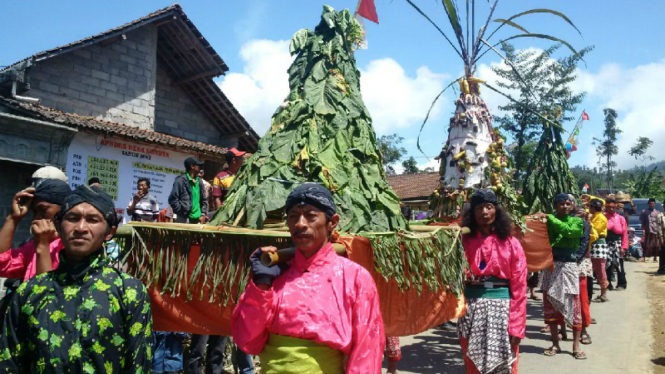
{"points": [[84, 317]]}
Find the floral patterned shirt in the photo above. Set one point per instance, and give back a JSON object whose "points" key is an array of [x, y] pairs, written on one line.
{"points": [[83, 318]]}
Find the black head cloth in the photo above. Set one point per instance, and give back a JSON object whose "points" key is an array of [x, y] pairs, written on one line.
{"points": [[312, 194], [94, 196], [562, 197], [52, 191], [483, 196]]}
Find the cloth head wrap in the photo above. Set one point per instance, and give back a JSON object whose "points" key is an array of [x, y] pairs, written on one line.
{"points": [[94, 196], [52, 191], [483, 197], [312, 194], [562, 197], [596, 204]]}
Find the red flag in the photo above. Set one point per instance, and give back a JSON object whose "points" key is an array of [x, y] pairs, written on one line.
{"points": [[585, 117], [367, 9]]}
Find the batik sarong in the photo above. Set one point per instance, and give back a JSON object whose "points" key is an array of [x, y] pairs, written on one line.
{"points": [[485, 329], [585, 268], [561, 289], [613, 253], [599, 249]]}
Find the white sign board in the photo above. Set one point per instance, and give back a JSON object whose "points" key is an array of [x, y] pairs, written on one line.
{"points": [[119, 163]]}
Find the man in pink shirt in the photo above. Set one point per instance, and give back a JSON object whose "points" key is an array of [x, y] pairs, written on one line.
{"points": [[40, 254], [321, 311]]}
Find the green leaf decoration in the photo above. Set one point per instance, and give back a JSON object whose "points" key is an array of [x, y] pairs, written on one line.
{"points": [[322, 133], [511, 23], [453, 17], [550, 11]]}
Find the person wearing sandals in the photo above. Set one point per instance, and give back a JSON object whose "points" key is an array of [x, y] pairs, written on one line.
{"points": [[599, 248], [561, 299], [585, 271], [617, 242], [495, 321]]}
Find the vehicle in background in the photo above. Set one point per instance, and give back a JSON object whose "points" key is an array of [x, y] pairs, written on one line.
{"points": [[634, 219]]}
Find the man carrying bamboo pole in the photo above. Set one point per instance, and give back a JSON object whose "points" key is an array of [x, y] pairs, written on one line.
{"points": [[318, 314]]}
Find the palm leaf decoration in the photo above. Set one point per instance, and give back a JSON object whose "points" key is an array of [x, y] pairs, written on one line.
{"points": [[474, 156], [321, 133], [548, 173]]}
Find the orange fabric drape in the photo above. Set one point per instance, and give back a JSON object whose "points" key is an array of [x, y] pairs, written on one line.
{"points": [[536, 245], [195, 316], [404, 313]]}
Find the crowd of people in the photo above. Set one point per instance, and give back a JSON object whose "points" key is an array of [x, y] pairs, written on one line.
{"points": [[70, 310]]}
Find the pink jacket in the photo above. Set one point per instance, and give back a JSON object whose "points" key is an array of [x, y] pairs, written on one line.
{"points": [[504, 259], [22, 262], [617, 224], [327, 299]]}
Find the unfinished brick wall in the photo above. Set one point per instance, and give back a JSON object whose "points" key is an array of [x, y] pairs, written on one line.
{"points": [[112, 80], [177, 115]]}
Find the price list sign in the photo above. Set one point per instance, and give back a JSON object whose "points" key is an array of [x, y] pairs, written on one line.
{"points": [[120, 163], [107, 172]]}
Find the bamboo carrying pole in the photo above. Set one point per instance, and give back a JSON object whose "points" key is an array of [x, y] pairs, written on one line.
{"points": [[288, 254]]}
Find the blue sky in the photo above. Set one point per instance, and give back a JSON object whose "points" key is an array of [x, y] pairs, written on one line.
{"points": [[406, 63]]}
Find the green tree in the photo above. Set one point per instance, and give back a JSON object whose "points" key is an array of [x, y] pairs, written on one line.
{"points": [[646, 184], [542, 82], [410, 166], [640, 148], [392, 151], [607, 147]]}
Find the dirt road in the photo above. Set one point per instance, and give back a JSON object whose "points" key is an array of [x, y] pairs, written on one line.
{"points": [[622, 339]]}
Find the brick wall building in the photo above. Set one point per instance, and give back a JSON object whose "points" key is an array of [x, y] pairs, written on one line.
{"points": [[150, 80]]}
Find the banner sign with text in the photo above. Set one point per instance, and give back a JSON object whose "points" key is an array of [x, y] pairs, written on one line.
{"points": [[119, 163]]}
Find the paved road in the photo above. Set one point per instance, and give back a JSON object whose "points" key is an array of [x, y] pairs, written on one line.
{"points": [[621, 339]]}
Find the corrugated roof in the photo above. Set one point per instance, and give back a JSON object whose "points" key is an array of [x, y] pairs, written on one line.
{"points": [[191, 61], [414, 186], [111, 128]]}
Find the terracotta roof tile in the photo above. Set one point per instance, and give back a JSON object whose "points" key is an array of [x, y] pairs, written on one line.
{"points": [[112, 128], [414, 186]]}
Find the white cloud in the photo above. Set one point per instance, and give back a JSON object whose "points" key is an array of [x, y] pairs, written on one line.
{"points": [[264, 83], [394, 99], [636, 94], [434, 164]]}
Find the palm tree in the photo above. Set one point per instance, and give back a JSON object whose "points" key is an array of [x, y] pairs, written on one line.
{"points": [[473, 156]]}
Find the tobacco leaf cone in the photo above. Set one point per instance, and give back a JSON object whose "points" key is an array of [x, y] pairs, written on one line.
{"points": [[548, 173], [322, 133]]}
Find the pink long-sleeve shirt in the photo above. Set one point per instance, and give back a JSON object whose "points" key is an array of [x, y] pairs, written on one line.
{"points": [[617, 224], [327, 299], [22, 261], [504, 259]]}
